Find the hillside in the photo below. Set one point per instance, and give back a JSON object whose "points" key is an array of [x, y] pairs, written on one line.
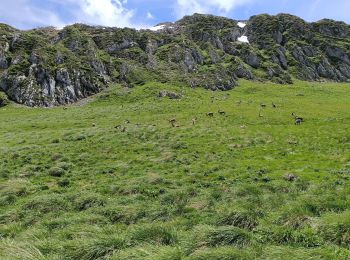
{"points": [[112, 179], [49, 67]]}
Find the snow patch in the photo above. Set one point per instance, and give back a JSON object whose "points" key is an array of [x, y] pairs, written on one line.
{"points": [[158, 28], [243, 39], [241, 25]]}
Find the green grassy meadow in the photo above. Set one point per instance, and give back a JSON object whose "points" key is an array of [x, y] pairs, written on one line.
{"points": [[234, 186]]}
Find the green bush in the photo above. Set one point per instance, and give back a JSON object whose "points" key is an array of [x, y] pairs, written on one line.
{"points": [[90, 200], [63, 183], [3, 99], [56, 171], [7, 200], [336, 229], [44, 204]]}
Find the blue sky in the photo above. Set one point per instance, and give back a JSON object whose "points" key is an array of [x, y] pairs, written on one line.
{"points": [[26, 14]]}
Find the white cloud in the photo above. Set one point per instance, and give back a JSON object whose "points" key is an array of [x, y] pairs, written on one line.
{"points": [[150, 15], [186, 7], [23, 14], [100, 12], [26, 14]]}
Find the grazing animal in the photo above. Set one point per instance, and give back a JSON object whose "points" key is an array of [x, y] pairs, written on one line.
{"points": [[172, 122], [298, 119], [221, 112], [65, 108], [93, 124], [211, 114], [194, 120], [273, 105], [123, 129], [295, 116], [127, 121], [290, 177], [117, 126], [262, 105], [260, 115]]}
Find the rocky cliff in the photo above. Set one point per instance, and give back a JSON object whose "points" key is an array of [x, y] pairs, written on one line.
{"points": [[48, 67]]}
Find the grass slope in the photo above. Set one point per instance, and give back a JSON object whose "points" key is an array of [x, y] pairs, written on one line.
{"points": [[72, 186]]}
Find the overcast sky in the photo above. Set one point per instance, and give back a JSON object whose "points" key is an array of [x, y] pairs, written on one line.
{"points": [[26, 14]]}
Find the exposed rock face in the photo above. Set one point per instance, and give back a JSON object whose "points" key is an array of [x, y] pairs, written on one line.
{"points": [[49, 67], [190, 61], [337, 53], [42, 88], [3, 61], [281, 58], [332, 28], [253, 60], [4, 48], [242, 72]]}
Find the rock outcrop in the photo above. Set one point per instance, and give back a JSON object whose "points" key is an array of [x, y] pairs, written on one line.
{"points": [[49, 67]]}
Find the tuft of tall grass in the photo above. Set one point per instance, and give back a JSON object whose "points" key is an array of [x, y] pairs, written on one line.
{"points": [[155, 233], [335, 228], [101, 247], [226, 235], [247, 220], [88, 200], [48, 203], [306, 237], [11, 249], [222, 253]]}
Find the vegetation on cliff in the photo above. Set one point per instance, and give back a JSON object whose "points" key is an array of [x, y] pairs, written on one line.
{"points": [[48, 67]]}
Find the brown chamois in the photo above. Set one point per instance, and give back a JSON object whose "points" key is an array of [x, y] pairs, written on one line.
{"points": [[194, 120], [260, 115], [221, 112], [211, 114], [172, 122]]}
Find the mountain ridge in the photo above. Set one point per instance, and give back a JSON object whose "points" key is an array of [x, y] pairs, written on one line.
{"points": [[50, 67]]}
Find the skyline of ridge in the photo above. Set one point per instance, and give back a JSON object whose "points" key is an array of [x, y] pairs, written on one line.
{"points": [[145, 14]]}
